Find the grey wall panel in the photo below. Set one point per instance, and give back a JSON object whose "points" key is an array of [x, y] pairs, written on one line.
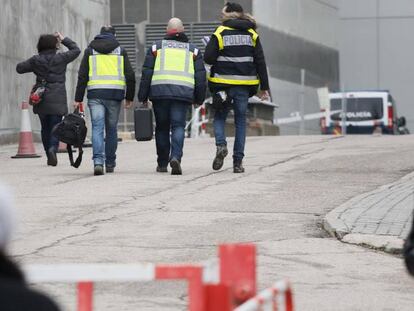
{"points": [[286, 55], [135, 11], [160, 11], [116, 11], [211, 10], [186, 10], [313, 20], [359, 60], [358, 8], [397, 65], [396, 8]]}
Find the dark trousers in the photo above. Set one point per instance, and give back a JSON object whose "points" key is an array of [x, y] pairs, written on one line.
{"points": [[48, 122], [169, 116]]}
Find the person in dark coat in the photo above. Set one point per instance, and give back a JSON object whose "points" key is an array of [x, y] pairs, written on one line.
{"points": [[15, 294], [51, 66], [107, 74], [238, 68], [173, 77], [408, 250]]}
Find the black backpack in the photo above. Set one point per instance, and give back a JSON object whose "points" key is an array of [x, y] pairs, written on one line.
{"points": [[72, 131]]}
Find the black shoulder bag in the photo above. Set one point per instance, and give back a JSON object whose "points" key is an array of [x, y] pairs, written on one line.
{"points": [[72, 131]]}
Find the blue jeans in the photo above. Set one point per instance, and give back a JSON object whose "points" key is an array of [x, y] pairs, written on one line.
{"points": [[169, 115], [48, 122], [240, 96], [104, 115]]}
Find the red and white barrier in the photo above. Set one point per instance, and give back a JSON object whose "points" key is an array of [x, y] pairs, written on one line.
{"points": [[211, 287], [276, 298], [26, 147], [198, 122]]}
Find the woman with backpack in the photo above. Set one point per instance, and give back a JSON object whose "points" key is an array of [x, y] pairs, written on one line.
{"points": [[50, 70]]}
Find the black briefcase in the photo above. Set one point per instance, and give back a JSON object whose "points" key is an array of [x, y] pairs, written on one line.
{"points": [[144, 127]]}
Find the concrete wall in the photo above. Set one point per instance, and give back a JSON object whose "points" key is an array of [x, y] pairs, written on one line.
{"points": [[299, 34], [377, 47], [21, 24]]}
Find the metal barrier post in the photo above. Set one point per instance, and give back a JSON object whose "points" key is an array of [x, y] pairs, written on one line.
{"points": [[217, 298], [238, 270], [85, 296]]}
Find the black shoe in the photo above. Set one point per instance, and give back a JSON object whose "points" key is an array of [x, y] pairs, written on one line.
{"points": [[221, 153], [238, 168], [109, 169], [98, 170], [162, 169], [51, 157], [175, 167]]}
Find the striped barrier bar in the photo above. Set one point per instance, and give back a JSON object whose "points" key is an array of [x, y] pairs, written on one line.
{"points": [[276, 298], [235, 271]]}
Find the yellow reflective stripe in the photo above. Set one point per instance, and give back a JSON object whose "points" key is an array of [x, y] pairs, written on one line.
{"points": [[114, 82], [234, 82], [255, 36], [219, 37], [173, 77], [190, 62]]}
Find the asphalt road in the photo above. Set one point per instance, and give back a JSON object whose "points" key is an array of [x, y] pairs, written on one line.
{"points": [[137, 215]]}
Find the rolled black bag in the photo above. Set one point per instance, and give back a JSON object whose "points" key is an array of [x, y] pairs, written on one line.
{"points": [[72, 131]]}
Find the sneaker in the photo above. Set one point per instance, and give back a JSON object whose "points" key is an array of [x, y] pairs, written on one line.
{"points": [[51, 157], [98, 170], [109, 169], [221, 153], [238, 168], [175, 167], [162, 169]]}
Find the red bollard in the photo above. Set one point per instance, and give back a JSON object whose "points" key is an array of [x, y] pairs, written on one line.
{"points": [[217, 298], [238, 270], [85, 296]]}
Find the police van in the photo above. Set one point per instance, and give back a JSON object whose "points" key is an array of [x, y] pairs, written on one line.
{"points": [[367, 112]]}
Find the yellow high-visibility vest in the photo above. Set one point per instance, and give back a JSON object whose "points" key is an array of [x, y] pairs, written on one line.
{"points": [[106, 71], [174, 64]]}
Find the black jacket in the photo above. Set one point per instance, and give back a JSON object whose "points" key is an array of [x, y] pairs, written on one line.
{"points": [[212, 53], [408, 251], [15, 295], [51, 66], [171, 91], [105, 44]]}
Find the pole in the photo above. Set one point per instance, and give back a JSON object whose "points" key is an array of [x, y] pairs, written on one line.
{"points": [[302, 102], [344, 101]]}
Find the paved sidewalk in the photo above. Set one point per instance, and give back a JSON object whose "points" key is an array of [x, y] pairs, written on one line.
{"points": [[380, 219]]}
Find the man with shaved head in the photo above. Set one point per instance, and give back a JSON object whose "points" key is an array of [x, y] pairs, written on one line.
{"points": [[173, 76]]}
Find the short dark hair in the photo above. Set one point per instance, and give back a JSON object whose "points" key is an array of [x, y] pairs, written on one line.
{"points": [[47, 42], [233, 7], [108, 29]]}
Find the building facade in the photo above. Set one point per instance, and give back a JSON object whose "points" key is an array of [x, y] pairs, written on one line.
{"points": [[21, 24], [376, 49]]}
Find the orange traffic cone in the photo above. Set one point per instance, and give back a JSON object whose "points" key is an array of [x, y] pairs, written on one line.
{"points": [[26, 146]]}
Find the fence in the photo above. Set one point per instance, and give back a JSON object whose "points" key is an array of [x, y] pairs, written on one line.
{"points": [[210, 287]]}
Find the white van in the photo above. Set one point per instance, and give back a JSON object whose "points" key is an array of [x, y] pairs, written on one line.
{"points": [[366, 112]]}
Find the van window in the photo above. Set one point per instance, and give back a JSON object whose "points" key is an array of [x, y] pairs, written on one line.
{"points": [[359, 109]]}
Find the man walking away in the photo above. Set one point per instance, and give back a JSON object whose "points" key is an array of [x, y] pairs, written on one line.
{"points": [[238, 67], [106, 72], [173, 76]]}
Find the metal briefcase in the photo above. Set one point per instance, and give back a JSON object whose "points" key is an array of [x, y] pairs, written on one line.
{"points": [[143, 123]]}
